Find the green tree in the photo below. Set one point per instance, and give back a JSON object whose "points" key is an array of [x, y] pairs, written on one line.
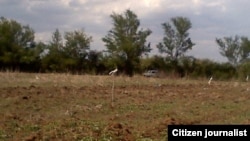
{"points": [[206, 68], [77, 44], [236, 49], [57, 40], [54, 59], [96, 62], [70, 57], [176, 41], [244, 70], [14, 38], [126, 42]]}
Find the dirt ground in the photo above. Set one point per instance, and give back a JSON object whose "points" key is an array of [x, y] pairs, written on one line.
{"points": [[34, 111]]}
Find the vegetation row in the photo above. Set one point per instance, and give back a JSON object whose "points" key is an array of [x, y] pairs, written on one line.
{"points": [[126, 48]]}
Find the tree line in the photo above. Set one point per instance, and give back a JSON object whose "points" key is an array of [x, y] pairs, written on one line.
{"points": [[127, 49]]}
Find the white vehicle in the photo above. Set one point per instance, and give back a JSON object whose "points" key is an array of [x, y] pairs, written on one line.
{"points": [[151, 73]]}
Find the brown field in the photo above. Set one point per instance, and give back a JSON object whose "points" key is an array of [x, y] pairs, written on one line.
{"points": [[48, 107]]}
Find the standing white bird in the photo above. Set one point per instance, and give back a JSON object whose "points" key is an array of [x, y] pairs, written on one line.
{"points": [[210, 80], [113, 71], [247, 78]]}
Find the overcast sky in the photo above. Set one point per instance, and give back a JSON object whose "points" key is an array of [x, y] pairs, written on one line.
{"points": [[210, 19]]}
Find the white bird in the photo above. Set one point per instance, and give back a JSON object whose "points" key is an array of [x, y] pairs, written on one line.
{"points": [[247, 78], [210, 80], [113, 71]]}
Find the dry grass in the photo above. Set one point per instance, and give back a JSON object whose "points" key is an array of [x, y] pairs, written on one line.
{"points": [[78, 107]]}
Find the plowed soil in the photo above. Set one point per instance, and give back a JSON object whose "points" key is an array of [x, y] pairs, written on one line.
{"points": [[58, 107]]}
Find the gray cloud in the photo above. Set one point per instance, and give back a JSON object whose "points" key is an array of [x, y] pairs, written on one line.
{"points": [[210, 18]]}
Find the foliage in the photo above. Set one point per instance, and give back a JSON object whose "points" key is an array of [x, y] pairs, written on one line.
{"points": [[14, 38], [220, 71], [70, 57], [187, 66], [236, 49], [176, 41], [126, 46], [244, 70], [125, 42], [54, 59], [57, 40], [96, 62], [77, 44]]}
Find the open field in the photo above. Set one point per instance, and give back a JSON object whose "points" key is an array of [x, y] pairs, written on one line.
{"points": [[65, 107]]}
